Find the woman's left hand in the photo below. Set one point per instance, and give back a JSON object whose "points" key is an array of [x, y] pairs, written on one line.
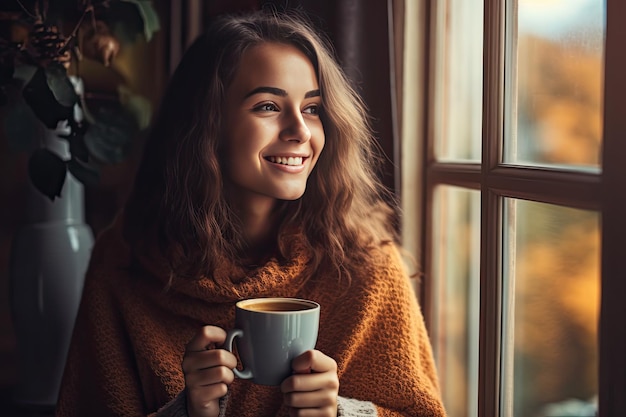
{"points": [[314, 387]]}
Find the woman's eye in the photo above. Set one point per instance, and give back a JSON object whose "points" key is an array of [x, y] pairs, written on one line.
{"points": [[266, 107], [312, 110]]}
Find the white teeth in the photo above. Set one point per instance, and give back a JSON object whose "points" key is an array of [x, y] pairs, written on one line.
{"points": [[283, 160]]}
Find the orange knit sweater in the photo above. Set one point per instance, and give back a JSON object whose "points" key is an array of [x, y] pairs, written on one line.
{"points": [[130, 334]]}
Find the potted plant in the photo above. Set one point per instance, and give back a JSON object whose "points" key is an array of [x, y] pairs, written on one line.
{"points": [[42, 46]]}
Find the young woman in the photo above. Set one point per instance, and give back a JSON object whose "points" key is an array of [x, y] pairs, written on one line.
{"points": [[258, 180]]}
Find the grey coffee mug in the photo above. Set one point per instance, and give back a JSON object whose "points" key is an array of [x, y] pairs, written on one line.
{"points": [[269, 334]]}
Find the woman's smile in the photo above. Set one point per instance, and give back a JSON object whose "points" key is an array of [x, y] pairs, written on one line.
{"points": [[292, 164], [286, 160]]}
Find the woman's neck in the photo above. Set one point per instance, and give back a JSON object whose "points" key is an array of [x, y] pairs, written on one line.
{"points": [[259, 226], [260, 247]]}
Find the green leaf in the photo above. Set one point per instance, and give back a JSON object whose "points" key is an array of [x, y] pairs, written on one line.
{"points": [[47, 172], [149, 16], [129, 19], [25, 73], [84, 172], [136, 105], [41, 94], [110, 137], [60, 85]]}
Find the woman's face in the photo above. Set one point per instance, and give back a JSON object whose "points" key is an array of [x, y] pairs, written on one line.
{"points": [[273, 135]]}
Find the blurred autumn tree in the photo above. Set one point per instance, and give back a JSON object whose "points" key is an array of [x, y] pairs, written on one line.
{"points": [[557, 299], [560, 101], [557, 290]]}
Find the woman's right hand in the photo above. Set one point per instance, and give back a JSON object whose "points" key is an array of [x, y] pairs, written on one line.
{"points": [[208, 371]]}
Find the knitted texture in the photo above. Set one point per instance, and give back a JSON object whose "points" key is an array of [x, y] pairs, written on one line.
{"points": [[131, 331]]}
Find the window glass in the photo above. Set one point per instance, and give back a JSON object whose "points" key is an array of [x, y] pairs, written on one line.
{"points": [[551, 310], [456, 241], [556, 80], [458, 91]]}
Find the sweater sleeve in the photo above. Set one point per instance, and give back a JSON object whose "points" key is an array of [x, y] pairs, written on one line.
{"points": [[175, 408], [349, 407]]}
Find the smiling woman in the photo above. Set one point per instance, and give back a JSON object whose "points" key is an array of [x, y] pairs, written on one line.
{"points": [[258, 180]]}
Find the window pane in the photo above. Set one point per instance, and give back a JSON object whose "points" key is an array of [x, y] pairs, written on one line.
{"points": [[458, 91], [456, 246], [556, 73], [551, 310]]}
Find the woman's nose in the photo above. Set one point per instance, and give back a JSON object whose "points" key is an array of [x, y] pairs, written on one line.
{"points": [[295, 128]]}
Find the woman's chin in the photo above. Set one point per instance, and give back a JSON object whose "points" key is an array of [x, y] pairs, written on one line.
{"points": [[291, 196]]}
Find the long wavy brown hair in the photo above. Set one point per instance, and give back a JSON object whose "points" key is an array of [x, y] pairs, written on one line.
{"points": [[178, 197]]}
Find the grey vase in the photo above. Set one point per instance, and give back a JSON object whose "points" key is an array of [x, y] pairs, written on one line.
{"points": [[49, 258]]}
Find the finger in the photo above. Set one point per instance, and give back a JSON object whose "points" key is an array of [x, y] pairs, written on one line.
{"points": [[206, 338], [206, 359], [210, 376], [310, 382], [313, 361], [206, 384], [200, 397], [314, 399]]}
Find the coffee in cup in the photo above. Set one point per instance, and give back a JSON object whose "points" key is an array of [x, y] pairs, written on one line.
{"points": [[269, 333]]}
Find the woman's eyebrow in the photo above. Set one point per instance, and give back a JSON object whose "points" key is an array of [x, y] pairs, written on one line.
{"points": [[280, 92], [312, 93], [271, 90]]}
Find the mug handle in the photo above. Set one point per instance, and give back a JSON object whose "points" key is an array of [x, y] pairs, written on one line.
{"points": [[228, 345]]}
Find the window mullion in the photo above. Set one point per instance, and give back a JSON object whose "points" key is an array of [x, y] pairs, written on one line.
{"points": [[491, 213], [490, 306]]}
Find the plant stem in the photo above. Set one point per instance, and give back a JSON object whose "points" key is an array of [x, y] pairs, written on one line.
{"points": [[88, 9], [26, 10]]}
